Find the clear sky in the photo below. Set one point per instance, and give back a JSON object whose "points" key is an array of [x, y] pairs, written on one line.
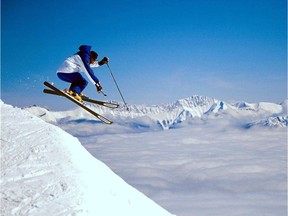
{"points": [[159, 51]]}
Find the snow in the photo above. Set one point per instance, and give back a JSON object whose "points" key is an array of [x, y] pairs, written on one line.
{"points": [[197, 156], [167, 116], [46, 171]]}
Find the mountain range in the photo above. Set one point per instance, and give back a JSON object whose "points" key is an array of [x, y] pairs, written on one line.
{"points": [[192, 110]]}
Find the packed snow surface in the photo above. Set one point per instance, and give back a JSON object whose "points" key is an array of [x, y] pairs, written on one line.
{"points": [[46, 171]]}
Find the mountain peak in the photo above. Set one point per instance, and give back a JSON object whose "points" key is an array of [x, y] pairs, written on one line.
{"points": [[191, 108]]}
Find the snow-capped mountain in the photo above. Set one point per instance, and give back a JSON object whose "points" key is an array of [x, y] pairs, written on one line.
{"points": [[170, 115], [278, 121], [46, 171]]}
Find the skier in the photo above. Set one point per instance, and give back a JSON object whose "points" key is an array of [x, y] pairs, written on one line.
{"points": [[82, 61]]}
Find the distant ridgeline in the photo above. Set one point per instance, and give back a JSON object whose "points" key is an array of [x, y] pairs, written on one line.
{"points": [[192, 110]]}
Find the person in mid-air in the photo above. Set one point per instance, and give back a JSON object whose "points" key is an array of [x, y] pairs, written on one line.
{"points": [[82, 61]]}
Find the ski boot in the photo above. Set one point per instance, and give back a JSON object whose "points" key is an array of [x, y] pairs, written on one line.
{"points": [[76, 96], [82, 95]]}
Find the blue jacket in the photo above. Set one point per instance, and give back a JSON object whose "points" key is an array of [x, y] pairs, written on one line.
{"points": [[80, 62], [84, 53]]}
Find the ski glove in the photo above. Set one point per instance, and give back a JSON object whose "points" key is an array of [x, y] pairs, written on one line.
{"points": [[98, 87], [105, 60]]}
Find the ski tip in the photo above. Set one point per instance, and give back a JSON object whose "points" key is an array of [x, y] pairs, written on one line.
{"points": [[105, 120], [48, 83]]}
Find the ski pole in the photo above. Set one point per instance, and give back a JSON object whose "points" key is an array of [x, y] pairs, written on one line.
{"points": [[103, 93], [117, 86]]}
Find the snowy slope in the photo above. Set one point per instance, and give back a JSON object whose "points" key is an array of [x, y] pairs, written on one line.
{"points": [[166, 116], [45, 171]]}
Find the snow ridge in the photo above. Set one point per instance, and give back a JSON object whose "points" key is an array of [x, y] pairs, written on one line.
{"points": [[278, 121], [171, 115], [46, 171]]}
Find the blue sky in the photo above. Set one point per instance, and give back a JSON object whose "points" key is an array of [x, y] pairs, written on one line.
{"points": [[159, 51]]}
